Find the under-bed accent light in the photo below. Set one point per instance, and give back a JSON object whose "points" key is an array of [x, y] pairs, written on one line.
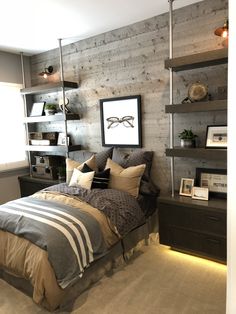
{"points": [[223, 31], [47, 71]]}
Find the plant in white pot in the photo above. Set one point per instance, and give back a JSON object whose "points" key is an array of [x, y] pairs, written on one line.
{"points": [[50, 109], [187, 138]]}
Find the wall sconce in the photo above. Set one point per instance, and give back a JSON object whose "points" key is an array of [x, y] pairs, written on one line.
{"points": [[47, 71], [223, 31]]}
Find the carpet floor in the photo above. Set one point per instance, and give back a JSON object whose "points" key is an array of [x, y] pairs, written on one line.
{"points": [[156, 280]]}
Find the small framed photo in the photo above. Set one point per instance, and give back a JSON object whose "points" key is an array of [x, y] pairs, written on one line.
{"points": [[200, 193], [186, 186], [213, 179], [37, 109], [62, 139], [216, 136]]}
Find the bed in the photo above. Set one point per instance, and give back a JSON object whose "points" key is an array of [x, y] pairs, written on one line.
{"points": [[55, 243]]}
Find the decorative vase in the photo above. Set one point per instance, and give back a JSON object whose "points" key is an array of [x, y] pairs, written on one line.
{"points": [[186, 143], [49, 112]]}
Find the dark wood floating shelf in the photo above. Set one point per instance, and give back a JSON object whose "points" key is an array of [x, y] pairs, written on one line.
{"points": [[49, 88], [213, 105], [52, 118], [198, 60], [204, 153], [48, 148], [214, 203]]}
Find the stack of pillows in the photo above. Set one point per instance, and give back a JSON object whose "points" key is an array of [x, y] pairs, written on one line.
{"points": [[112, 169]]}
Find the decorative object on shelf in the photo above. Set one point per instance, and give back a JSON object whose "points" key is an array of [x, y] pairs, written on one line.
{"points": [[37, 109], [47, 71], [50, 109], [200, 193], [43, 138], [213, 179], [121, 121], [62, 139], [187, 138], [197, 92], [216, 136], [186, 186], [66, 105]]}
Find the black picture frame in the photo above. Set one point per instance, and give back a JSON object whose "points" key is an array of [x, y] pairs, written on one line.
{"points": [[121, 121], [216, 137], [217, 181]]}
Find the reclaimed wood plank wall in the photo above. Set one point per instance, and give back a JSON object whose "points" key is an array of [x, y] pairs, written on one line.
{"points": [[130, 61]]}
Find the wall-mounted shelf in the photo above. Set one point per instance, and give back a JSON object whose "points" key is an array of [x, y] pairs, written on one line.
{"points": [[213, 105], [52, 118], [51, 148], [49, 88], [198, 60], [204, 153]]}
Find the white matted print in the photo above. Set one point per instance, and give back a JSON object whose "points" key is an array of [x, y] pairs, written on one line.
{"points": [[216, 136], [121, 121]]}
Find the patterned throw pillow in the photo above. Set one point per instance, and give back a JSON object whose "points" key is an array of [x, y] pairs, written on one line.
{"points": [[135, 158], [72, 164], [82, 179], [125, 179], [100, 179], [101, 158]]}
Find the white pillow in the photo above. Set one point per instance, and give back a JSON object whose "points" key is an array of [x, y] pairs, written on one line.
{"points": [[82, 179], [71, 164]]}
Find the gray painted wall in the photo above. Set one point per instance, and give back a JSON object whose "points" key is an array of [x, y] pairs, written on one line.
{"points": [[10, 65], [130, 61]]}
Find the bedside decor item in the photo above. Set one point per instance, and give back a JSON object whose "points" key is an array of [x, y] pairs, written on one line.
{"points": [[47, 71], [37, 109], [186, 186], [213, 179], [200, 193], [187, 139], [50, 109], [216, 136], [121, 121]]}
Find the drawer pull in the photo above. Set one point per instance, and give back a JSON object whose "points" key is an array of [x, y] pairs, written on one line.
{"points": [[213, 240], [213, 218]]}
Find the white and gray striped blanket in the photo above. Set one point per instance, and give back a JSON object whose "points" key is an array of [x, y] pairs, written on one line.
{"points": [[72, 238]]}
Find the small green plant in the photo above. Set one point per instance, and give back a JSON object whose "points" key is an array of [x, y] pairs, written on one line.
{"points": [[50, 107], [187, 135]]}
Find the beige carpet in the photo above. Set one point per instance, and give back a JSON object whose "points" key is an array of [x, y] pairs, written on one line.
{"points": [[155, 281]]}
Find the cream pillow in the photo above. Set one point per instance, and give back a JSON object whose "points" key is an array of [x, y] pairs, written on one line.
{"points": [[72, 164], [125, 179], [82, 179]]}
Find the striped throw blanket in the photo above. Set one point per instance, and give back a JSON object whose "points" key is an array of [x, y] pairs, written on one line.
{"points": [[72, 235]]}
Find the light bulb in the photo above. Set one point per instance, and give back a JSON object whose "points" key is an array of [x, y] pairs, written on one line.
{"points": [[45, 75]]}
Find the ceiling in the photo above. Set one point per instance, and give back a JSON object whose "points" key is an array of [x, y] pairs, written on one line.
{"points": [[33, 26]]}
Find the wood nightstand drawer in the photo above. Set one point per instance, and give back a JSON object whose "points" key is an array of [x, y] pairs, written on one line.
{"points": [[193, 226]]}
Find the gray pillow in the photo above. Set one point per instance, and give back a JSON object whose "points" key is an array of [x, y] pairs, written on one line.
{"points": [[135, 158], [101, 157]]}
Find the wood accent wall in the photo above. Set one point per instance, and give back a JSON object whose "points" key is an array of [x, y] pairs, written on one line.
{"points": [[130, 61]]}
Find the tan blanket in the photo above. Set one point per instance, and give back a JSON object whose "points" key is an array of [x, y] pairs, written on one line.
{"points": [[22, 258]]}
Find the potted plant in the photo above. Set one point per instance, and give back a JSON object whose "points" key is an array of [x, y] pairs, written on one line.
{"points": [[50, 109], [187, 138]]}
